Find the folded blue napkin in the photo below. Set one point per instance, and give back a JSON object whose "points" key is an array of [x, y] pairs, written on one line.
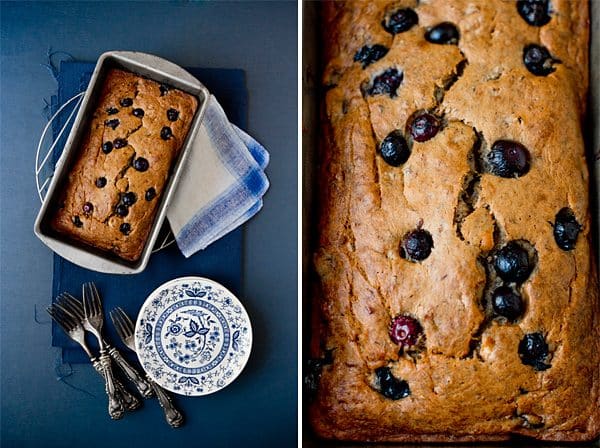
{"points": [[221, 261], [222, 183]]}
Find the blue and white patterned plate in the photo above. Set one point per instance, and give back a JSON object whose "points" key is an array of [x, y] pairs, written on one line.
{"points": [[193, 336]]}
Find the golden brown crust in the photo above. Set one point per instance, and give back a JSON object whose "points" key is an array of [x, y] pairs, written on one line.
{"points": [[101, 227], [460, 391]]}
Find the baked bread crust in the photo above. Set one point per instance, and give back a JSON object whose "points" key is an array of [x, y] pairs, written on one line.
{"points": [[467, 381], [116, 164]]}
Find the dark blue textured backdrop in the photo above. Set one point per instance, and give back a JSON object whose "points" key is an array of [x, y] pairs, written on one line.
{"points": [[260, 408]]}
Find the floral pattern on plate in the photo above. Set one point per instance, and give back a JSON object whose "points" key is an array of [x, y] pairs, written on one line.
{"points": [[193, 336]]}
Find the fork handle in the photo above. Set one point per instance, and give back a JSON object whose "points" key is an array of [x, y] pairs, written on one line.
{"points": [[172, 415], [115, 406], [130, 401], [132, 374]]}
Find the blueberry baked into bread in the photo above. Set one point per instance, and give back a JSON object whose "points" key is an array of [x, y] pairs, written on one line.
{"points": [[114, 188], [457, 296]]}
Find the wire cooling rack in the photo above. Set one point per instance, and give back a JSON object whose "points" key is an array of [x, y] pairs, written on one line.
{"points": [[44, 169]]}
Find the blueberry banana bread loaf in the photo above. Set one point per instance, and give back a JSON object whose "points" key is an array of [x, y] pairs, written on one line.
{"points": [[113, 190], [457, 295]]}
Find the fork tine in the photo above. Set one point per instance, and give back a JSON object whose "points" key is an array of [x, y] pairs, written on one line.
{"points": [[72, 304], [68, 315], [59, 317], [96, 298], [114, 318], [77, 303], [90, 299], [118, 323], [50, 310], [85, 300], [124, 320], [70, 324], [87, 303], [69, 318]]}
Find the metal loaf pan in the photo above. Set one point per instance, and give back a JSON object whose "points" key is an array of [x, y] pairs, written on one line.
{"points": [[148, 66]]}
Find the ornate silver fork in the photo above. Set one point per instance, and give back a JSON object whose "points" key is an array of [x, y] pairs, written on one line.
{"points": [[125, 329], [71, 325], [74, 308], [93, 322]]}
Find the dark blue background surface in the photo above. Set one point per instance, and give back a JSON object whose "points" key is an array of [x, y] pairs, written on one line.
{"points": [[260, 408]]}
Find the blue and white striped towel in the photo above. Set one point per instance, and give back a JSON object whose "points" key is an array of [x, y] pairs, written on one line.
{"points": [[222, 183]]}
